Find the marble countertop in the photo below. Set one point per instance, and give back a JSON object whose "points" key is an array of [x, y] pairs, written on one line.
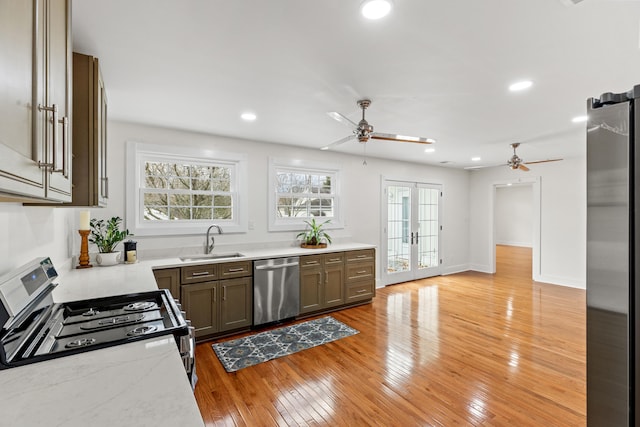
{"points": [[136, 384], [141, 383]]}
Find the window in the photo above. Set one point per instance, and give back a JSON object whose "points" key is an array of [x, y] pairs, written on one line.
{"points": [[181, 191], [301, 191]]}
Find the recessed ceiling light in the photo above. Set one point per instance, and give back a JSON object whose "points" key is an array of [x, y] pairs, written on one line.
{"points": [[579, 119], [518, 86], [429, 150], [375, 9], [249, 117], [476, 159]]}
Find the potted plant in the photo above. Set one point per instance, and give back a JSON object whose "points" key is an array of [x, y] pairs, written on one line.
{"points": [[315, 236], [106, 235]]}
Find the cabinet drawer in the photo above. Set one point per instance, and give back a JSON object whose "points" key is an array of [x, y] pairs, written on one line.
{"points": [[230, 270], [360, 291], [310, 261], [198, 273], [362, 271], [331, 259], [364, 255]]}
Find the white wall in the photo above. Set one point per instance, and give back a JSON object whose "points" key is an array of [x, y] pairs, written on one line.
{"points": [[514, 215], [562, 219], [361, 191], [29, 232]]}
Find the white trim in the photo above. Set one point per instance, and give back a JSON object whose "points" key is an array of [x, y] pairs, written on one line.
{"points": [[136, 151], [296, 224]]}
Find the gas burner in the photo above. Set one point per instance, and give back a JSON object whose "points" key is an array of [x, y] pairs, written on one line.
{"points": [[142, 305], [82, 342], [141, 330], [91, 312]]}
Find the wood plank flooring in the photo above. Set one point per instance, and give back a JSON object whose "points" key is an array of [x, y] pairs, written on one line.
{"points": [[468, 349]]}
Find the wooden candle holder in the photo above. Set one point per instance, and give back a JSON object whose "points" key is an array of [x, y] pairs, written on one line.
{"points": [[84, 250]]}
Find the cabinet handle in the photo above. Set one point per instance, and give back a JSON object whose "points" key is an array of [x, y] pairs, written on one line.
{"points": [[224, 293], [235, 270], [361, 272], [361, 291], [326, 278], [361, 256], [105, 187], [54, 111], [200, 273], [65, 148]]}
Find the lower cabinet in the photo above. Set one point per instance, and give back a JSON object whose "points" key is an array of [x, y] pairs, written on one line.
{"points": [[200, 302], [236, 303], [214, 307], [321, 282]]}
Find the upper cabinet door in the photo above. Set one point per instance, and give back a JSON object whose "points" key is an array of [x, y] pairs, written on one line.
{"points": [[57, 85], [19, 150]]}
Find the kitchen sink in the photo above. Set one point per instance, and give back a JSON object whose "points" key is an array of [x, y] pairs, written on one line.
{"points": [[213, 256]]}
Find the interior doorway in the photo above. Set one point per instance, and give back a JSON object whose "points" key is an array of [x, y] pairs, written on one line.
{"points": [[516, 228]]}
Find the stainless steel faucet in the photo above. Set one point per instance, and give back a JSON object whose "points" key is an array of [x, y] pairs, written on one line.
{"points": [[208, 247]]}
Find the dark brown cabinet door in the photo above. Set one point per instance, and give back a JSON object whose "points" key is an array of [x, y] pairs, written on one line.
{"points": [[236, 296], [333, 280], [169, 278], [199, 301], [310, 288]]}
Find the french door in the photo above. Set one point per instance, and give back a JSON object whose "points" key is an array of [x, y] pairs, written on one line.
{"points": [[411, 231]]}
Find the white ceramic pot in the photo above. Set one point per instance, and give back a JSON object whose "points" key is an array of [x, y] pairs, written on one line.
{"points": [[107, 259]]}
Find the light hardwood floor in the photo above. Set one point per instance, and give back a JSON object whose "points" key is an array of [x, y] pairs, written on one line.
{"points": [[466, 349]]}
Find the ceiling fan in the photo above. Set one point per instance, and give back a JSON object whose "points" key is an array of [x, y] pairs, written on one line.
{"points": [[363, 131], [516, 162]]}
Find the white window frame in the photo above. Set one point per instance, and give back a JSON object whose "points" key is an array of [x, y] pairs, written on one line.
{"points": [[138, 153], [297, 223]]}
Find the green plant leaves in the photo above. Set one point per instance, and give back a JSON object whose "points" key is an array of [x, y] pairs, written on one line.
{"points": [[107, 234]]}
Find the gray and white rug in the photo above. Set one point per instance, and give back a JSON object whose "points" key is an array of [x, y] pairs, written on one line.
{"points": [[248, 351]]}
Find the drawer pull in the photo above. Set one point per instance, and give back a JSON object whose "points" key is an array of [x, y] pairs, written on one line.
{"points": [[311, 263], [235, 270], [361, 272], [334, 259], [361, 291], [362, 256], [200, 273]]}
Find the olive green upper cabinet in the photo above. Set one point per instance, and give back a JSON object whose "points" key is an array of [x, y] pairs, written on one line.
{"points": [[90, 181], [35, 100]]}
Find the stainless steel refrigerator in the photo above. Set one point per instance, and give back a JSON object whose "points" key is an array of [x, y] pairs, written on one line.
{"points": [[613, 257]]}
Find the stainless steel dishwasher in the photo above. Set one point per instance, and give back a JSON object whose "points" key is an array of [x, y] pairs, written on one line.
{"points": [[276, 289]]}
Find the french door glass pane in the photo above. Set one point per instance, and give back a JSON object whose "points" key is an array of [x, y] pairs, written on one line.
{"points": [[398, 226], [427, 227]]}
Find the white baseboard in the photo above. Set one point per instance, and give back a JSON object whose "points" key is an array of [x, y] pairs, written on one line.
{"points": [[453, 269], [562, 281], [480, 268]]}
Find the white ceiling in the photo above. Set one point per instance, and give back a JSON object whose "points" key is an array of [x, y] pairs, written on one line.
{"points": [[436, 69]]}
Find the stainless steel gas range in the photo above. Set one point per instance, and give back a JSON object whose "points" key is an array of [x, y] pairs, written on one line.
{"points": [[34, 328]]}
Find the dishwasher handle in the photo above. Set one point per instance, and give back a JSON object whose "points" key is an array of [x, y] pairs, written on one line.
{"points": [[276, 267]]}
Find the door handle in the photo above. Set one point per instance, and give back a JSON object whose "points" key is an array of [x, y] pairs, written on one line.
{"points": [[412, 237]]}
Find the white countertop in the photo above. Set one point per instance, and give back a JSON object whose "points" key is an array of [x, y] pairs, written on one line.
{"points": [[141, 383], [136, 384]]}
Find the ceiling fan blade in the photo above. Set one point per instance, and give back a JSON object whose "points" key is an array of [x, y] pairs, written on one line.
{"points": [[401, 138], [338, 142], [543, 161], [523, 167], [342, 119]]}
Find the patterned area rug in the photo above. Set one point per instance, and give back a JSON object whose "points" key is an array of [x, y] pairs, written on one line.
{"points": [[248, 351]]}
